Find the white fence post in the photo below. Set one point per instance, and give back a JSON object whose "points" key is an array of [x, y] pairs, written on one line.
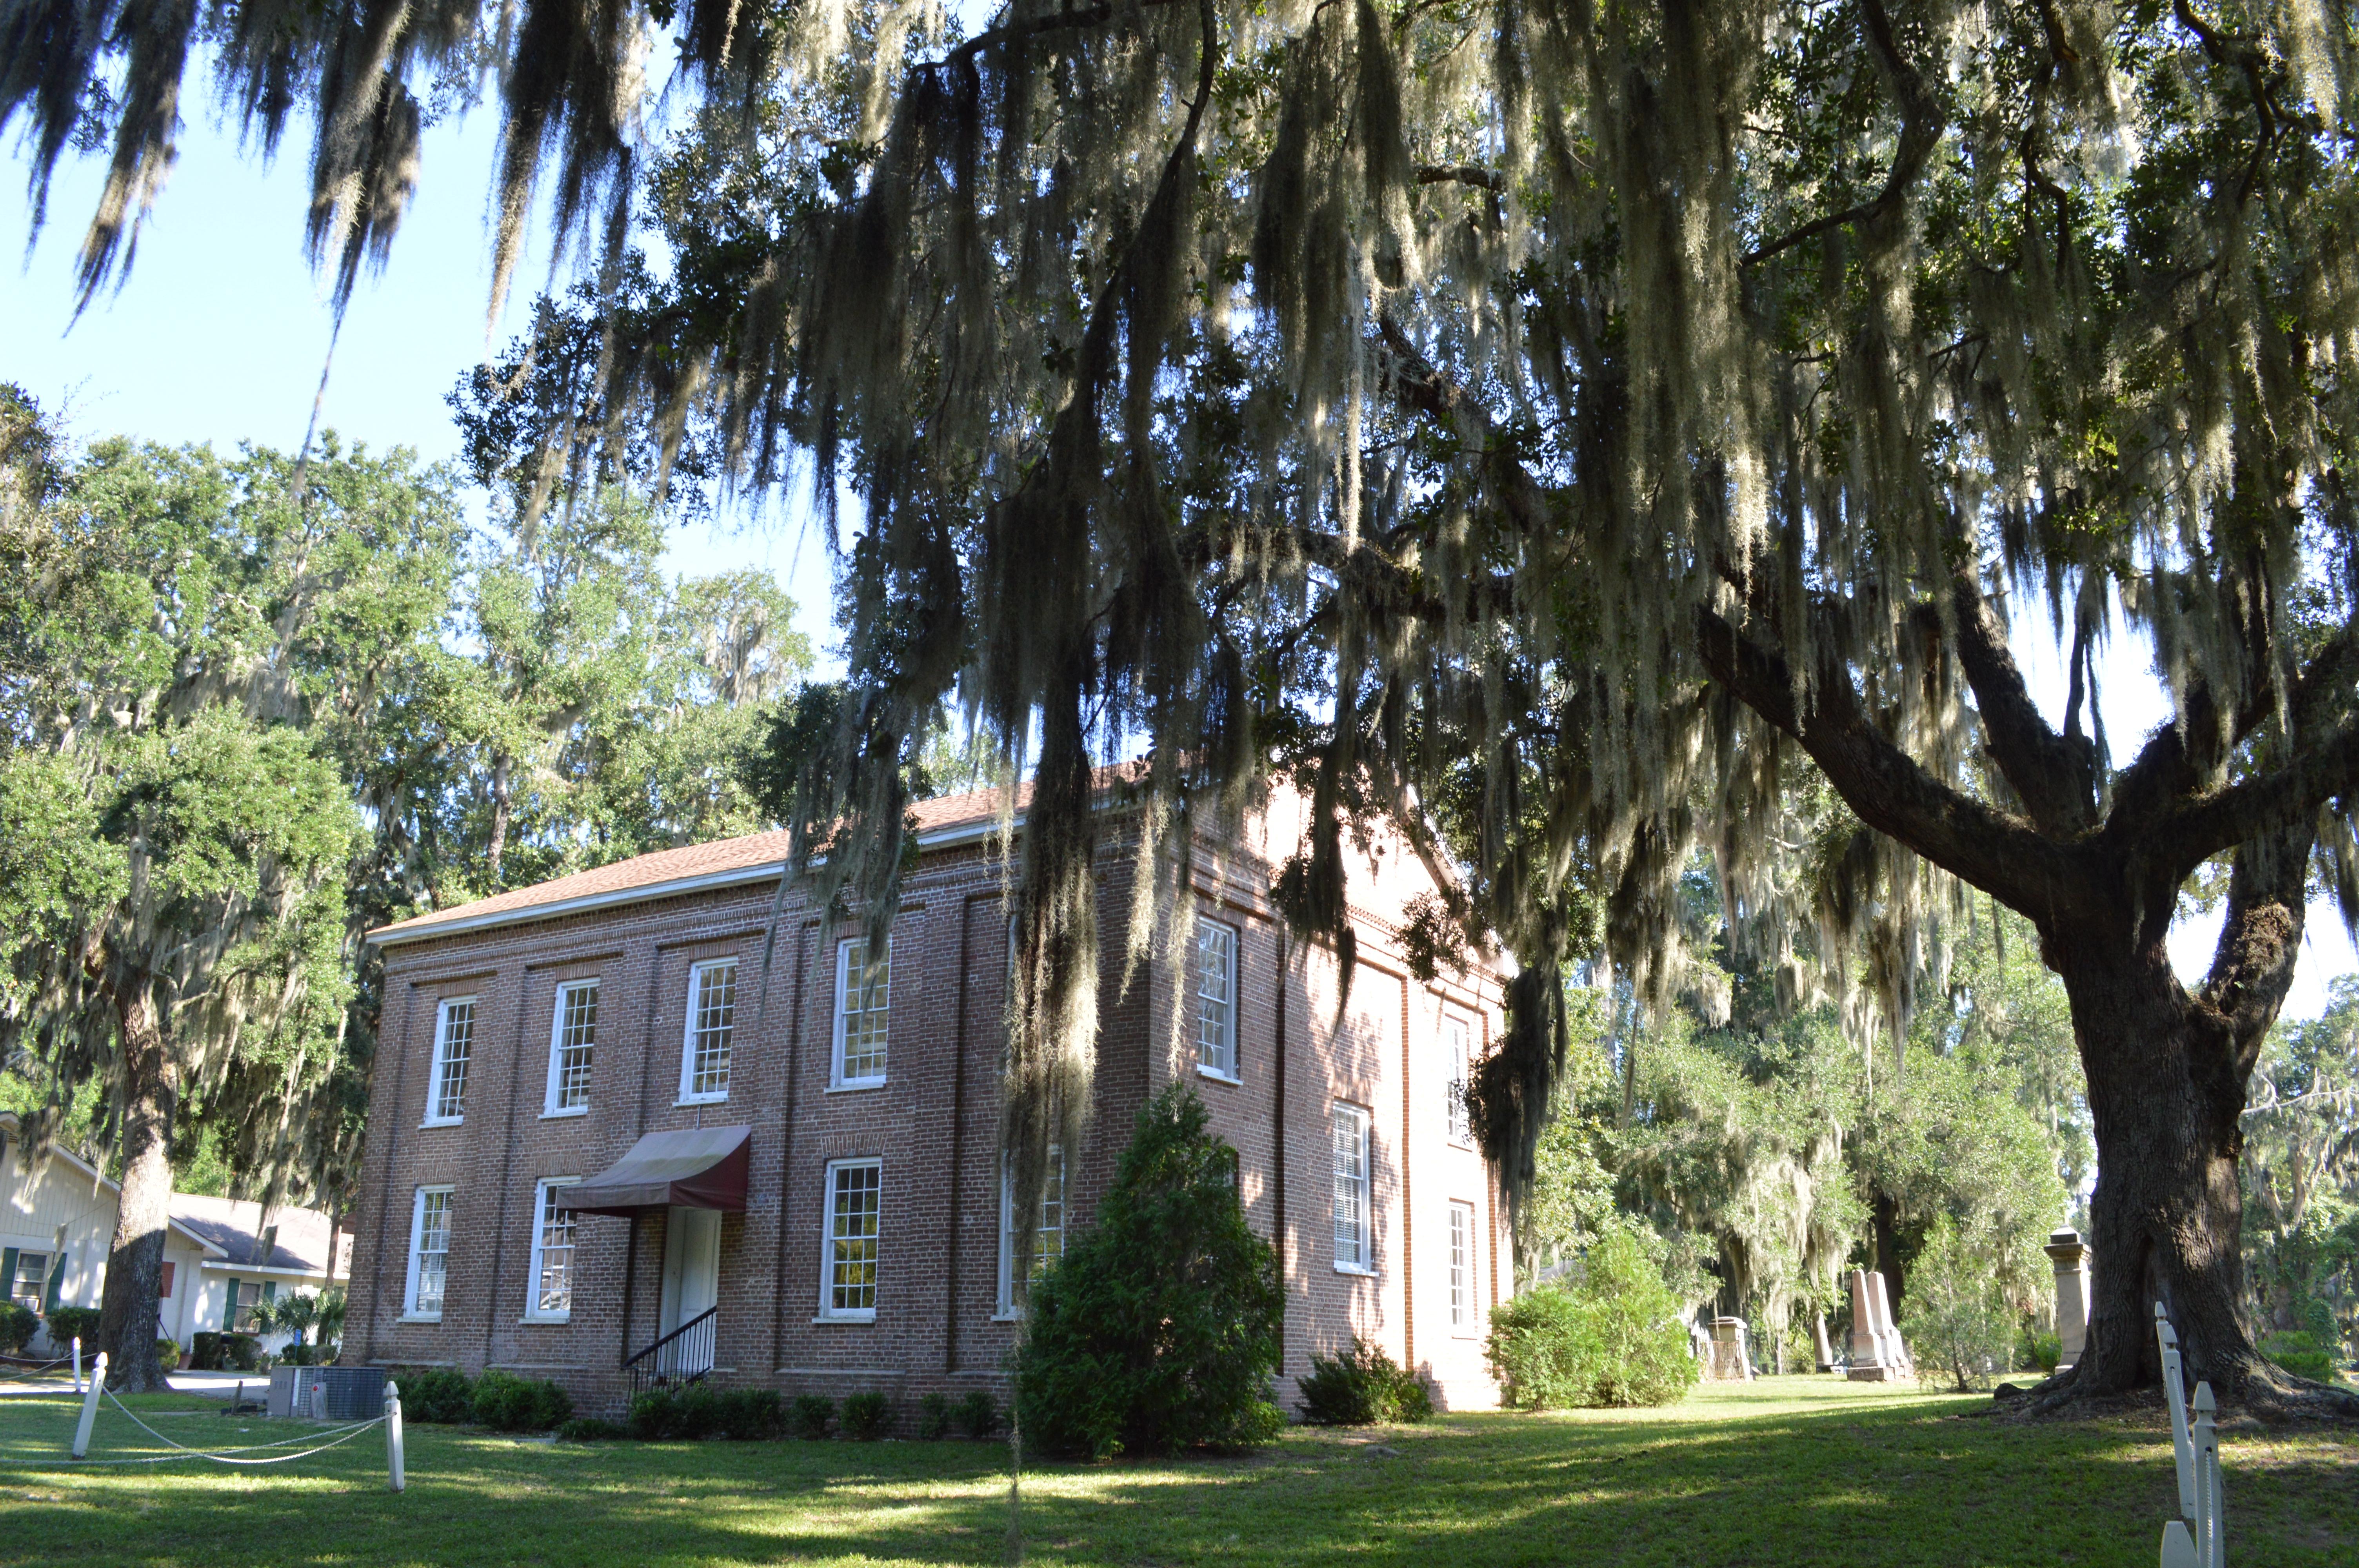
{"points": [[393, 1434], [89, 1406], [2199, 1540], [77, 1358], [2210, 1528]]}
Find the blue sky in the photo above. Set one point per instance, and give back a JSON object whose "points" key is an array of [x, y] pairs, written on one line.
{"points": [[218, 333]]}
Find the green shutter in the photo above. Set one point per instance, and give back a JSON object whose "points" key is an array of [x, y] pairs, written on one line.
{"points": [[229, 1314], [271, 1290], [7, 1275], [56, 1284]]}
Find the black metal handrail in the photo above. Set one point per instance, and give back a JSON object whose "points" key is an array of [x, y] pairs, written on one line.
{"points": [[682, 1357]]}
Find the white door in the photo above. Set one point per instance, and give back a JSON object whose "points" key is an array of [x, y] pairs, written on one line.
{"points": [[692, 1279]]}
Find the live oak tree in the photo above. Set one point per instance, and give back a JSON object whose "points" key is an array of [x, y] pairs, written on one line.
{"points": [[1584, 408]]}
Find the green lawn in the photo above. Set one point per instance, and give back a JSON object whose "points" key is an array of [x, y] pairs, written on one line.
{"points": [[1795, 1470]]}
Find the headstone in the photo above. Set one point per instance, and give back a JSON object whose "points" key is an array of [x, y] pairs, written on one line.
{"points": [[2071, 1295], [1826, 1352], [1877, 1354], [1730, 1364]]}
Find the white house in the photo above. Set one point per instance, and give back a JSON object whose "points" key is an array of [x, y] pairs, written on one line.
{"points": [[57, 1225]]}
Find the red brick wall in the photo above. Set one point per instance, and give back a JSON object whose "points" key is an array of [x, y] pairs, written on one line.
{"points": [[933, 1125]]}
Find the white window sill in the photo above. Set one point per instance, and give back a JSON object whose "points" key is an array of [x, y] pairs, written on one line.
{"points": [[1357, 1269], [545, 1318], [826, 1317], [1217, 1076], [854, 1086], [441, 1122], [686, 1100], [1465, 1143], [565, 1114], [412, 1317]]}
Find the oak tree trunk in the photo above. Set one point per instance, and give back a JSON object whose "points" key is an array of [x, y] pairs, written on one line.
{"points": [[135, 1266]]}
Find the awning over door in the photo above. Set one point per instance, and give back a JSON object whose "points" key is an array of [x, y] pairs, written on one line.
{"points": [[705, 1167]]}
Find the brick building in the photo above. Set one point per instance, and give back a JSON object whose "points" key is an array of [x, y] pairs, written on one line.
{"points": [[657, 1099]]}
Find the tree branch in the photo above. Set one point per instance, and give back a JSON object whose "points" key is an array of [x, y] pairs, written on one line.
{"points": [[2053, 775], [1462, 174], [2285, 798]]}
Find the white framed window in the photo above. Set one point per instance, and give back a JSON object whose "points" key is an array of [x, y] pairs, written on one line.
{"points": [[29, 1285], [573, 1043], [1458, 1039], [1047, 1232], [711, 1022], [1355, 1244], [245, 1295], [847, 1273], [862, 1013], [454, 1047], [1216, 999], [429, 1253], [1462, 1266], [550, 1282]]}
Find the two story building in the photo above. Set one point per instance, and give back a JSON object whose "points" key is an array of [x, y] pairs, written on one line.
{"points": [[659, 1116]]}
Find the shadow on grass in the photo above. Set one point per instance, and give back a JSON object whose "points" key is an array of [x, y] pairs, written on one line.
{"points": [[1888, 1481]]}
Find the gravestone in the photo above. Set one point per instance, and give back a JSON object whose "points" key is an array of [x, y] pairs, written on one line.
{"points": [[1730, 1364], [1825, 1351], [2071, 1295], [1877, 1354]]}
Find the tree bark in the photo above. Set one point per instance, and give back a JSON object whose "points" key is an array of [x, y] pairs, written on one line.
{"points": [[501, 769], [135, 1266]]}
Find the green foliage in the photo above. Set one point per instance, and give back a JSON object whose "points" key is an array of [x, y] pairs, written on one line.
{"points": [[2039, 1347], [1955, 1315], [506, 1403], [205, 1350], [241, 1353], [1613, 1337], [867, 1416], [1159, 1330], [811, 1415], [2303, 1355], [437, 1395], [168, 1353], [1362, 1387], [2300, 1177], [589, 1429], [752, 1415], [690, 1412], [977, 1415], [933, 1417], [18, 1326], [65, 1324]]}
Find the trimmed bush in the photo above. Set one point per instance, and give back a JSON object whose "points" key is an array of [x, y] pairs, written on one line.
{"points": [[2303, 1355], [934, 1417], [168, 1355], [752, 1415], [241, 1353], [1613, 1339], [681, 1414], [440, 1395], [867, 1416], [18, 1326], [589, 1429], [1361, 1387], [205, 1351], [506, 1403], [1159, 1330], [977, 1415], [812, 1414], [66, 1324]]}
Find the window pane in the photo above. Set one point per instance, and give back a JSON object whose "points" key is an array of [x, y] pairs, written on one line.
{"points": [[451, 1055], [1455, 1034], [1351, 1240], [433, 1249], [553, 1249], [864, 1011], [32, 1278], [715, 1014], [1216, 1011], [1461, 1232], [851, 1238], [577, 1038]]}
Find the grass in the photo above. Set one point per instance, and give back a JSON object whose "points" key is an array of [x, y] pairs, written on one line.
{"points": [[1791, 1470]]}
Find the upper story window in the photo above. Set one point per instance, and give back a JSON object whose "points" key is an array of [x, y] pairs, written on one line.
{"points": [[1216, 998], [1458, 1039], [711, 1021], [863, 996], [1355, 1241], [454, 1046], [430, 1252], [1047, 1231], [572, 1040], [854, 1227], [552, 1254]]}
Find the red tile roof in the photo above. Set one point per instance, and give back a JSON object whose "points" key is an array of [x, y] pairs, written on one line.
{"points": [[648, 873]]}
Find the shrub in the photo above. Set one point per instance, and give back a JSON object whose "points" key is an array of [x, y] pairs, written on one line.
{"points": [[168, 1353], [506, 1403], [977, 1415], [1360, 1387], [687, 1414], [812, 1412], [1613, 1337], [1954, 1316], [2038, 1348], [1159, 1330], [2303, 1355], [867, 1416], [66, 1324], [751, 1415], [440, 1395], [934, 1417], [205, 1351], [242, 1353], [589, 1429], [18, 1325]]}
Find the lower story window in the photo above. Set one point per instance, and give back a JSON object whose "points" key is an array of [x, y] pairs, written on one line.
{"points": [[1047, 1231], [29, 1280], [552, 1253], [429, 1250], [1462, 1264], [1355, 1246], [244, 1296], [854, 1214]]}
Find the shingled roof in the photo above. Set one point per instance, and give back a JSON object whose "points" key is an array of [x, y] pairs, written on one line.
{"points": [[753, 858]]}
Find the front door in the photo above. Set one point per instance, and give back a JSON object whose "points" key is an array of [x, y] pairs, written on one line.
{"points": [[691, 1278]]}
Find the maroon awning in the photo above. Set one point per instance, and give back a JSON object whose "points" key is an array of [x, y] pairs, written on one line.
{"points": [[700, 1167]]}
